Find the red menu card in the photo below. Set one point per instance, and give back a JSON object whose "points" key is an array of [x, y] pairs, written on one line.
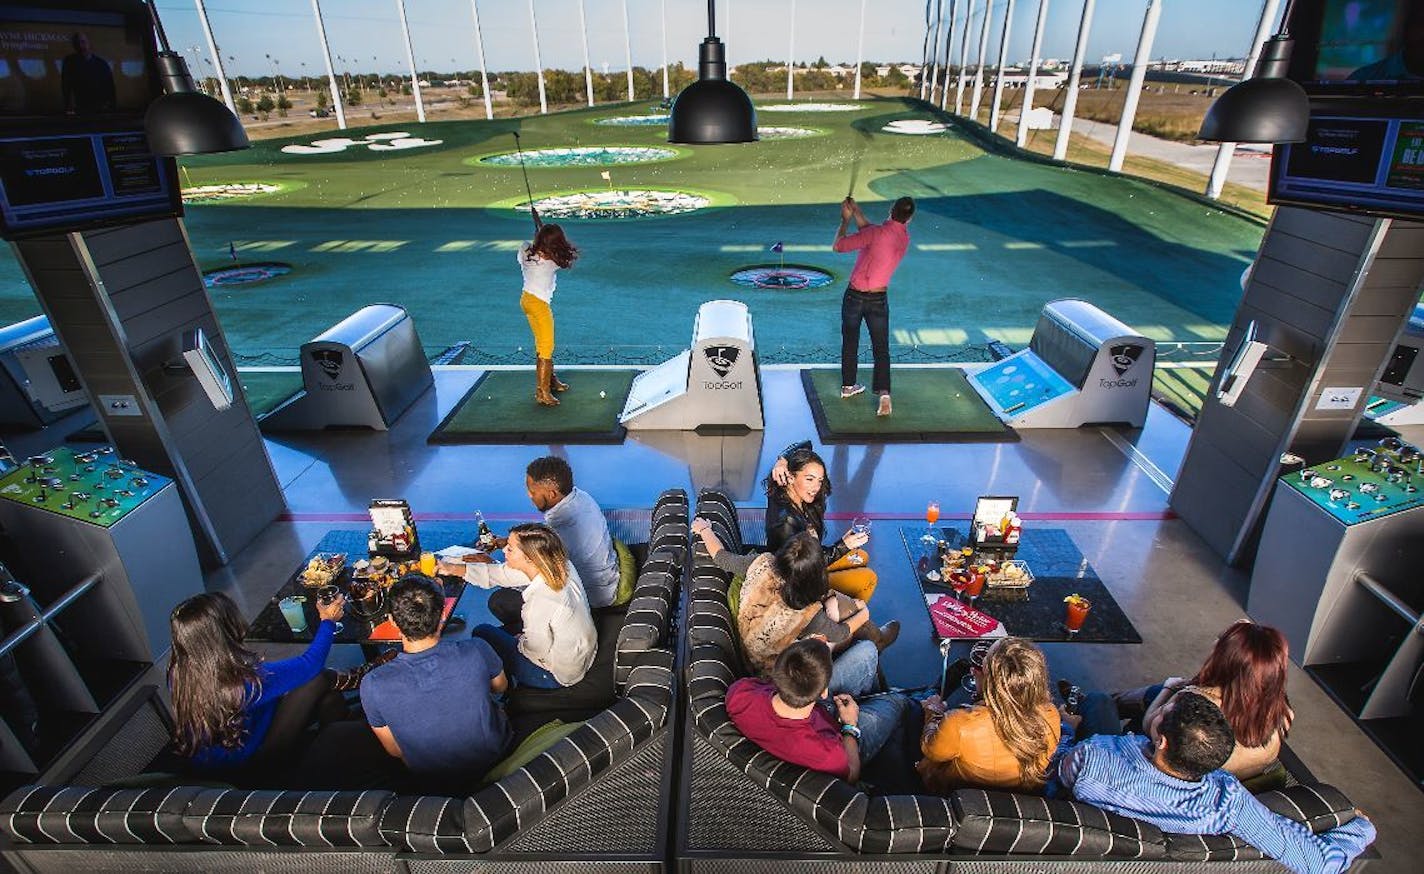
{"points": [[954, 619], [387, 630]]}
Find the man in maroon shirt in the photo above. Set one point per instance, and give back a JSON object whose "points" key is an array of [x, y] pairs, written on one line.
{"points": [[880, 249], [784, 717]]}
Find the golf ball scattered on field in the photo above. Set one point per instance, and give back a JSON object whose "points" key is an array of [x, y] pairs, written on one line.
{"points": [[603, 394]]}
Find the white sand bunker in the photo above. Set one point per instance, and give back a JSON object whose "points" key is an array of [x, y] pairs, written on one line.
{"points": [[915, 127], [626, 203], [391, 141], [784, 133], [635, 120], [809, 107], [582, 156], [227, 191]]}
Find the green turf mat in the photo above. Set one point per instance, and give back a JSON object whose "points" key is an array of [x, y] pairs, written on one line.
{"points": [[267, 389], [1183, 389], [500, 408], [931, 405]]}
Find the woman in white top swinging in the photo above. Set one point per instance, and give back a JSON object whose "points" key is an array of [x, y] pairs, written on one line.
{"points": [[539, 260]]}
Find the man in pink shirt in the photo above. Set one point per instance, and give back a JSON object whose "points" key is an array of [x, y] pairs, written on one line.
{"points": [[880, 248]]}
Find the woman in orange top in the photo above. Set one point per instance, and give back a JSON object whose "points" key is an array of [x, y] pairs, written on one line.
{"points": [[1002, 743]]}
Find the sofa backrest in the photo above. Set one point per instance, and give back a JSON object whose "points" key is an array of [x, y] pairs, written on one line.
{"points": [[646, 625]]}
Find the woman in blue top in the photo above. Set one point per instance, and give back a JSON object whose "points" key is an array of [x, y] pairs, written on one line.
{"points": [[233, 709]]}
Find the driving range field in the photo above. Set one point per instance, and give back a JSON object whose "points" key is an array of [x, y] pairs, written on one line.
{"points": [[413, 215]]}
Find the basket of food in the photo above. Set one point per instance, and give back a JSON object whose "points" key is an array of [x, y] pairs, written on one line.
{"points": [[1010, 574], [322, 570]]}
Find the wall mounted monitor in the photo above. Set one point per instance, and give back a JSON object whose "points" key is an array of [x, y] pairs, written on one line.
{"points": [[1238, 370], [1368, 163], [1369, 48]]}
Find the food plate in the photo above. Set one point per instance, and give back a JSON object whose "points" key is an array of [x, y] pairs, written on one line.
{"points": [[322, 569], [1011, 574]]}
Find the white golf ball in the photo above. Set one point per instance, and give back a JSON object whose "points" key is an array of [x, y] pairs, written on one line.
{"points": [[603, 394]]}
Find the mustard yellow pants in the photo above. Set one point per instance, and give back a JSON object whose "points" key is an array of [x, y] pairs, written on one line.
{"points": [[851, 575], [541, 322]]}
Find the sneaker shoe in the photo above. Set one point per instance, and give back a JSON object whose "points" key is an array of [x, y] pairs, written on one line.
{"points": [[884, 408], [850, 391]]}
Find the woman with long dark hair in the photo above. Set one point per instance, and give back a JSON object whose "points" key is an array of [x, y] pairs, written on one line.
{"points": [[786, 596], [1005, 740], [539, 261], [230, 707], [796, 493], [1245, 675]]}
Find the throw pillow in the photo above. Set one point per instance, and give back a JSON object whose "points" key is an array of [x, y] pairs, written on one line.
{"points": [[540, 740], [627, 573], [734, 595]]}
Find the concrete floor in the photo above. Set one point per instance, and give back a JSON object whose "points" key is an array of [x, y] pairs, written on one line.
{"points": [[1106, 488]]}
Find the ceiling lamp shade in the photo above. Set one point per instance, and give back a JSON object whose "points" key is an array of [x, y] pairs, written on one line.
{"points": [[712, 109], [1267, 108], [185, 121]]}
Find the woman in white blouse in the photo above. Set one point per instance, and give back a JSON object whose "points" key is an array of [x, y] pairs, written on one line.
{"points": [[558, 643], [539, 260]]}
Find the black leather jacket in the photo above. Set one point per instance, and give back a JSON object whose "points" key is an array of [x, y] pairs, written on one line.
{"points": [[784, 520]]}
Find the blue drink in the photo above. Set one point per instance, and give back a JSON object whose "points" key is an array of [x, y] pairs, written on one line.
{"points": [[294, 610]]}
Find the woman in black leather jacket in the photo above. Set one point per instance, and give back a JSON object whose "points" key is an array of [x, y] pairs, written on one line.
{"points": [[796, 492]]}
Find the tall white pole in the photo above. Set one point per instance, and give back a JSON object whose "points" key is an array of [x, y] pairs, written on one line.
{"points": [[1075, 73], [963, 59], [948, 53], [934, 50], [1222, 165], [979, 63], [217, 58], [330, 70], [925, 55], [999, 69], [627, 49], [662, 15], [860, 50], [1134, 84], [587, 70], [1026, 104], [538, 64], [480, 47], [791, 53], [410, 59]]}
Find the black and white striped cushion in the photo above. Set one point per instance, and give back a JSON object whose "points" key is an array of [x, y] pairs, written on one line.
{"points": [[710, 623], [266, 818], [80, 815], [1319, 808], [669, 500], [426, 824], [670, 535], [1000, 823], [719, 509]]}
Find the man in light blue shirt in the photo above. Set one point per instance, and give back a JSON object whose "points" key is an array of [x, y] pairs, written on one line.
{"points": [[1173, 780]]}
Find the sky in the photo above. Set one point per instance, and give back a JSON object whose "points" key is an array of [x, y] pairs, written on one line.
{"points": [[366, 34]]}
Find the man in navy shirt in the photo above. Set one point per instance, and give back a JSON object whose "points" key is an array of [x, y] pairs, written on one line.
{"points": [[1174, 781], [433, 706]]}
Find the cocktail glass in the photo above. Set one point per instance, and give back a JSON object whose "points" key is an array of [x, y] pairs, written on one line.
{"points": [[427, 563], [977, 656], [931, 517], [294, 610], [326, 597], [860, 525], [1077, 612], [975, 588]]}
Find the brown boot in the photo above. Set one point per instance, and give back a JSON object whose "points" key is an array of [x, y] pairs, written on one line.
{"points": [[554, 382], [881, 636], [543, 369]]}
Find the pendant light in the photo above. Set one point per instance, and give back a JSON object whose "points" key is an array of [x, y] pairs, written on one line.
{"points": [[1267, 108], [712, 109], [185, 121]]}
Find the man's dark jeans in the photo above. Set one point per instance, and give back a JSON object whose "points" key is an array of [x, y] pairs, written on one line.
{"points": [[874, 308]]}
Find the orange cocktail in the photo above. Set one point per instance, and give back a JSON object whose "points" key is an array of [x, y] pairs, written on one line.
{"points": [[1078, 608]]}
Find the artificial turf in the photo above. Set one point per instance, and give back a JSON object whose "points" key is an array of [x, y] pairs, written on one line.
{"points": [[267, 389], [994, 239], [930, 405], [500, 408], [1183, 388]]}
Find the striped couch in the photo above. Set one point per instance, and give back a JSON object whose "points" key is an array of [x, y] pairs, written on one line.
{"points": [[598, 795], [744, 804]]}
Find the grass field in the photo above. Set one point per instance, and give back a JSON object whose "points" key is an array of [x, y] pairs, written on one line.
{"points": [[995, 238]]}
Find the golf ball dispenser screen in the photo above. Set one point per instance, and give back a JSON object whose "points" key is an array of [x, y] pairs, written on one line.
{"points": [[96, 487], [1020, 384], [1370, 484]]}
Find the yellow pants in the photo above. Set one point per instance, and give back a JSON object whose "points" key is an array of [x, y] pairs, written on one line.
{"points": [[851, 575], [541, 322]]}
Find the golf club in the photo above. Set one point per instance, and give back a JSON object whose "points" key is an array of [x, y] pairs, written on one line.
{"points": [[527, 190], [855, 162]]}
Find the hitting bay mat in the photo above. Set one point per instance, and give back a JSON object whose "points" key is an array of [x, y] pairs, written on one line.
{"points": [[931, 405], [500, 408], [266, 390]]}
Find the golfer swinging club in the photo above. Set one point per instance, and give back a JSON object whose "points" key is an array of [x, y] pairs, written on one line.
{"points": [[879, 251], [539, 259]]}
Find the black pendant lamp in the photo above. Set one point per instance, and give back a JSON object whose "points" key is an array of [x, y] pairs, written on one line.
{"points": [[1268, 107], [712, 109], [185, 121]]}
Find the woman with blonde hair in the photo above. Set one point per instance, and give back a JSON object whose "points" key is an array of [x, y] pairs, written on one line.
{"points": [[539, 260], [559, 641], [1003, 742]]}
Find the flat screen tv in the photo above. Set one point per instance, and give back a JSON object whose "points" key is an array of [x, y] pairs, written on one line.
{"points": [[75, 80], [1355, 158], [1359, 48]]}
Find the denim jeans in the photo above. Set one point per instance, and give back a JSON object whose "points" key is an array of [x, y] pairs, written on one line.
{"points": [[874, 309], [1099, 712], [880, 717], [853, 671], [517, 666]]}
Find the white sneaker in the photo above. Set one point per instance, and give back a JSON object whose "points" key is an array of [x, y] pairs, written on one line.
{"points": [[884, 408], [850, 391]]}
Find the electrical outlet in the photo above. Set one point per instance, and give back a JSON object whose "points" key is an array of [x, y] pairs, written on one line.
{"points": [[120, 405]]}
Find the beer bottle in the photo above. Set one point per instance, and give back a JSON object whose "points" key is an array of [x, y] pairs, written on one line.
{"points": [[486, 536]]}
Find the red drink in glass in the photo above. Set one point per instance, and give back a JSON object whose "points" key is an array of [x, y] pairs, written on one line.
{"points": [[1077, 612]]}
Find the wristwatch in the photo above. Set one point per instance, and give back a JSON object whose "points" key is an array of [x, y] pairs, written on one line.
{"points": [[852, 730]]}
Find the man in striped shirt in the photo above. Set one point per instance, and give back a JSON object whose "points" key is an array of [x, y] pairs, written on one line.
{"points": [[1173, 780]]}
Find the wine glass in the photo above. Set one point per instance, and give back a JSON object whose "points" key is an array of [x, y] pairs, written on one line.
{"points": [[977, 655], [860, 525], [931, 517], [326, 596]]}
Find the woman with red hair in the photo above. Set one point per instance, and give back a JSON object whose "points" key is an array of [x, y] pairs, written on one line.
{"points": [[539, 260], [1245, 675]]}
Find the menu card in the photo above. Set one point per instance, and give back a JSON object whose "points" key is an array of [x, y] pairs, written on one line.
{"points": [[954, 619]]}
